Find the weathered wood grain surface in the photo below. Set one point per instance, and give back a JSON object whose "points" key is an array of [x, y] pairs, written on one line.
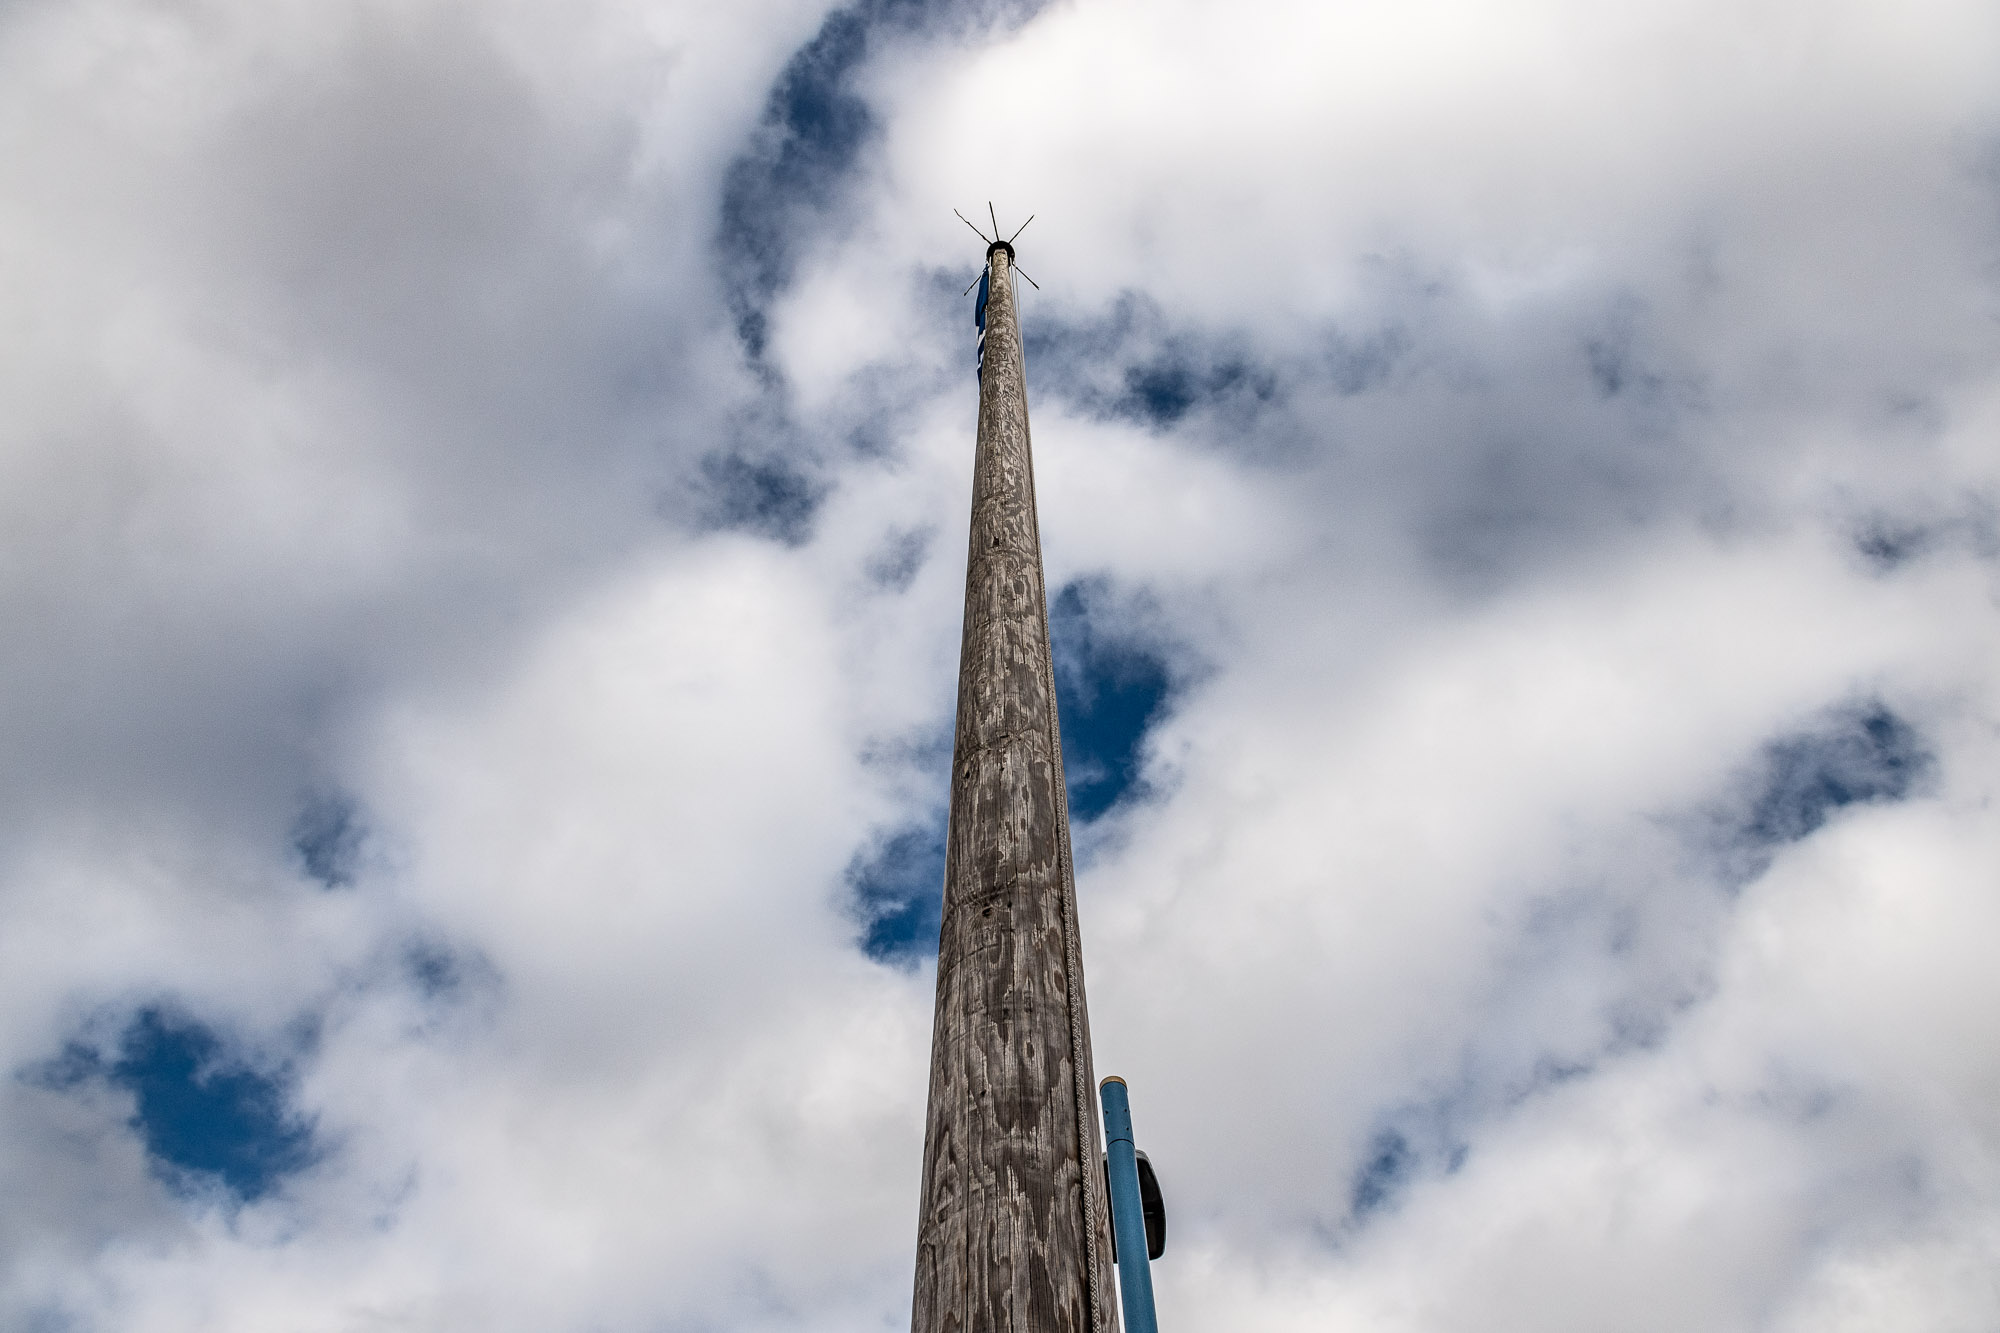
{"points": [[1014, 1235]]}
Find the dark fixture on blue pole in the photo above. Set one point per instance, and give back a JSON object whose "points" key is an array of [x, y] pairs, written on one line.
{"points": [[1136, 1210]]}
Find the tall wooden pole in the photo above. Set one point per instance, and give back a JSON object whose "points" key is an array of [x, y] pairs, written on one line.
{"points": [[1014, 1236]]}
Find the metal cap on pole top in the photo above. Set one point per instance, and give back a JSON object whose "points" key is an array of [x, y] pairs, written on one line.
{"points": [[995, 244]]}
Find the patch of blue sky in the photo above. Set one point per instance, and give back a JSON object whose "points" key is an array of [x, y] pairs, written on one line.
{"points": [[207, 1115], [787, 186], [1863, 755], [1414, 1143], [813, 129], [803, 157], [1130, 364], [1111, 687], [1166, 388], [898, 888], [1534, 1037], [765, 493]]}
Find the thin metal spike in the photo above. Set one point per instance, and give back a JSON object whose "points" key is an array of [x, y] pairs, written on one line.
{"points": [[970, 285], [1031, 282], [995, 216], [1018, 230], [968, 222]]}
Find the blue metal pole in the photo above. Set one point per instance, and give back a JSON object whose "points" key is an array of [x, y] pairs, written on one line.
{"points": [[1128, 1217]]}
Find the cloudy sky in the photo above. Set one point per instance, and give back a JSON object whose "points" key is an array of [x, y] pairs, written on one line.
{"points": [[484, 489]]}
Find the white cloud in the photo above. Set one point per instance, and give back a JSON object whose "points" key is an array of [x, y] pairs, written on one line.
{"points": [[1511, 421]]}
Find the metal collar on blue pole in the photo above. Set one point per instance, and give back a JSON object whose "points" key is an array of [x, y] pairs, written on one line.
{"points": [[1128, 1217]]}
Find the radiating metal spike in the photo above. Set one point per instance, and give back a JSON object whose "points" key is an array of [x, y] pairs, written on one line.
{"points": [[1018, 230], [995, 216], [968, 222]]}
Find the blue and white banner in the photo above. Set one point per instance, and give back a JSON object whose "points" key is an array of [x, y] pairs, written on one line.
{"points": [[979, 319]]}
